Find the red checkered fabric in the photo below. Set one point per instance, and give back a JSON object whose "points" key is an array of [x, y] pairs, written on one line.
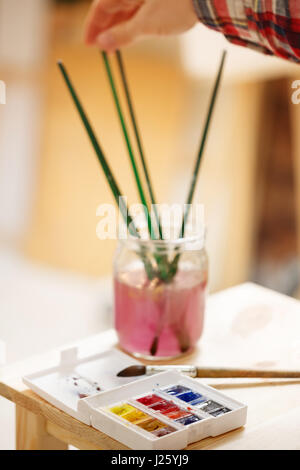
{"points": [[269, 26]]}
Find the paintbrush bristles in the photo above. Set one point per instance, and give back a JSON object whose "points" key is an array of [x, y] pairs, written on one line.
{"points": [[132, 371]]}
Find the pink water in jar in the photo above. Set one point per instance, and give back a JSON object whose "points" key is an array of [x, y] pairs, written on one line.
{"points": [[170, 313]]}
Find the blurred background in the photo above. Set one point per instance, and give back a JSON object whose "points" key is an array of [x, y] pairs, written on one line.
{"points": [[55, 274]]}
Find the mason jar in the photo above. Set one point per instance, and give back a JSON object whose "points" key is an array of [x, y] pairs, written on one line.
{"points": [[160, 293]]}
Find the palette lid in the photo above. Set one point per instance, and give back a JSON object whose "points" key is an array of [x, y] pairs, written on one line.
{"points": [[68, 356], [76, 378]]}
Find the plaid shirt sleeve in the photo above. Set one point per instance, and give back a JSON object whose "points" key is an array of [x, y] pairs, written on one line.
{"points": [[269, 26]]}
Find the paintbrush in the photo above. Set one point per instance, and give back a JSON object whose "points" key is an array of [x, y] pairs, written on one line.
{"points": [[209, 372]]}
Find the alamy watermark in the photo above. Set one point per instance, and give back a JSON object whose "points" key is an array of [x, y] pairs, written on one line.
{"points": [[122, 221], [296, 94], [2, 92]]}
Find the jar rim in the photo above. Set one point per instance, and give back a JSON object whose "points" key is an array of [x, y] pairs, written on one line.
{"points": [[166, 243]]}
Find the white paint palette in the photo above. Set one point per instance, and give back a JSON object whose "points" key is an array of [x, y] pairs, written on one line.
{"points": [[163, 411], [76, 378]]}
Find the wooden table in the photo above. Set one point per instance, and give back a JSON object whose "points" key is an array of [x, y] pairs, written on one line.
{"points": [[245, 326]]}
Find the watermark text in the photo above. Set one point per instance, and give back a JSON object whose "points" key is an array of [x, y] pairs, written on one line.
{"points": [[170, 220], [2, 92]]}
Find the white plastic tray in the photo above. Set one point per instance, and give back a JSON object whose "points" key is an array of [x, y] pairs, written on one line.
{"points": [[134, 437], [61, 385]]}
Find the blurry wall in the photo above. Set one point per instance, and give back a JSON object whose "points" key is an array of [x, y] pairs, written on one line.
{"points": [[21, 59]]}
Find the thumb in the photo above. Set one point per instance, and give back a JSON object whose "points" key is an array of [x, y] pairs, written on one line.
{"points": [[118, 36]]}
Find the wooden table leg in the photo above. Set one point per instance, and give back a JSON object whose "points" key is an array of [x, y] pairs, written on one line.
{"points": [[31, 433]]}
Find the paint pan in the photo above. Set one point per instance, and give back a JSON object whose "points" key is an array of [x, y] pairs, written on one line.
{"points": [[176, 390], [191, 419], [150, 400], [190, 397], [128, 412], [151, 425]]}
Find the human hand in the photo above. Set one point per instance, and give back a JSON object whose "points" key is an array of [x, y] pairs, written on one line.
{"points": [[112, 24]]}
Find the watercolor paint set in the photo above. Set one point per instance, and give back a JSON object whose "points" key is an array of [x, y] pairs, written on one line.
{"points": [[163, 411]]}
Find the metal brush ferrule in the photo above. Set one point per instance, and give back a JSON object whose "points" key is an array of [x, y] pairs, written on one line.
{"points": [[190, 371]]}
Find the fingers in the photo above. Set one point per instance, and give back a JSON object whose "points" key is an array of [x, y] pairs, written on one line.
{"points": [[121, 35], [93, 22], [105, 14]]}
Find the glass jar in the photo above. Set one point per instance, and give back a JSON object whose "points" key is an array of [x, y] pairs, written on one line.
{"points": [[160, 291]]}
